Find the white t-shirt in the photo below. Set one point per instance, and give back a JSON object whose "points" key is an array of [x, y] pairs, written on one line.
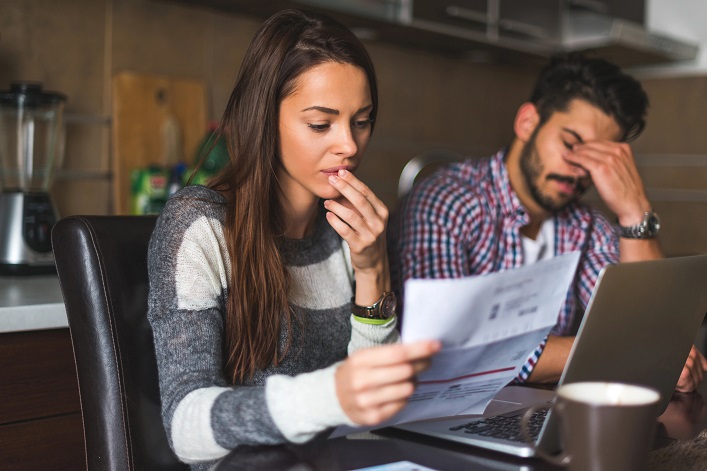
{"points": [[543, 247]]}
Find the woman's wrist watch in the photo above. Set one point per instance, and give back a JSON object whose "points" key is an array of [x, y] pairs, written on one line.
{"points": [[384, 308], [646, 229]]}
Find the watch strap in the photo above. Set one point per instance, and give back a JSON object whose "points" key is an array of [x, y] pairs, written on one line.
{"points": [[646, 229], [373, 312]]}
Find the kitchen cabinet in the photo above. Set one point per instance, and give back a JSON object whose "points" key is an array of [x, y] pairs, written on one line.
{"points": [[630, 10], [538, 20], [461, 28], [40, 414], [533, 22], [471, 14], [513, 32]]}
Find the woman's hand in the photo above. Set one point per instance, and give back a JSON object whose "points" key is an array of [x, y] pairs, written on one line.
{"points": [[360, 218], [373, 384]]}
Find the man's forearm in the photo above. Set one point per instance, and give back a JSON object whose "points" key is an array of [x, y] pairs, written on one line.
{"points": [[552, 361], [636, 250]]}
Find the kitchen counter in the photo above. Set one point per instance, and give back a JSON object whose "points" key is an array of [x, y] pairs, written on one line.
{"points": [[31, 303], [40, 411]]}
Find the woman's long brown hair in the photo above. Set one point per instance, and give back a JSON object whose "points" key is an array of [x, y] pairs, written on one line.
{"points": [[286, 45]]}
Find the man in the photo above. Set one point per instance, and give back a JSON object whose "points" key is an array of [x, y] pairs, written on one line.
{"points": [[522, 205]]}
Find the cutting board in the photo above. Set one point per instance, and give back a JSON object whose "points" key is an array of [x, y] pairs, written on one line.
{"points": [[157, 120]]}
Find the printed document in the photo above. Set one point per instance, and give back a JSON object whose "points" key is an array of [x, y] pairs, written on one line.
{"points": [[488, 325]]}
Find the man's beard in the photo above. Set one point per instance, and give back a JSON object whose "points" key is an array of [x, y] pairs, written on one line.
{"points": [[532, 169]]}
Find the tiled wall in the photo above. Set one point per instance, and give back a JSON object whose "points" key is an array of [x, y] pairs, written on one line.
{"points": [[427, 100]]}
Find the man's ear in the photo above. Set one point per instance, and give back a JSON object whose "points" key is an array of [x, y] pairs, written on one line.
{"points": [[527, 119]]}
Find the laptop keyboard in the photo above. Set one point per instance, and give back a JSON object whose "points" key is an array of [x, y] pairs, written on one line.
{"points": [[506, 426]]}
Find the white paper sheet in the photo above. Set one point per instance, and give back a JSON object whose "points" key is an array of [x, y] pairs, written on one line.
{"points": [[488, 325]]}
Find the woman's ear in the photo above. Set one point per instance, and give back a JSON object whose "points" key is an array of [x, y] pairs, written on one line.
{"points": [[527, 119]]}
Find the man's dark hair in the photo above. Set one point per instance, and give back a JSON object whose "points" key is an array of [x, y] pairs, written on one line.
{"points": [[598, 82]]}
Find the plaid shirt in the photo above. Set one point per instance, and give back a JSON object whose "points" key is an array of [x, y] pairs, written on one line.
{"points": [[465, 220]]}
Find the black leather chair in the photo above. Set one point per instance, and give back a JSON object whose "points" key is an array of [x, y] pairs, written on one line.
{"points": [[102, 267]]}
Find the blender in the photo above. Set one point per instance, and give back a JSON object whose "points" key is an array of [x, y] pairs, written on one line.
{"points": [[31, 144]]}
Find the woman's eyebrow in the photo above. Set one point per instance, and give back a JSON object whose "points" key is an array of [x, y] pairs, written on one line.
{"points": [[324, 109]]}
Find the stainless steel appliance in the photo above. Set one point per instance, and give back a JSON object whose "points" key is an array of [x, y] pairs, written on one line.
{"points": [[31, 145]]}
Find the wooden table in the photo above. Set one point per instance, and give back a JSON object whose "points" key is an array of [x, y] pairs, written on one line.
{"points": [[685, 418]]}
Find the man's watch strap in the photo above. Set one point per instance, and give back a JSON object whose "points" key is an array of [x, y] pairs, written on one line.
{"points": [[646, 229]]}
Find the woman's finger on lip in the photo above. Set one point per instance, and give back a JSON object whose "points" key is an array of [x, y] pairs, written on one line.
{"points": [[339, 171], [342, 201], [351, 186], [349, 214], [377, 205], [348, 176], [342, 227], [351, 189]]}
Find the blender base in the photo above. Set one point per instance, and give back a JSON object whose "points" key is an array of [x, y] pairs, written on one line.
{"points": [[26, 220]]}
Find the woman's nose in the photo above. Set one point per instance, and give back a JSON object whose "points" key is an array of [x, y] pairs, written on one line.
{"points": [[345, 144]]}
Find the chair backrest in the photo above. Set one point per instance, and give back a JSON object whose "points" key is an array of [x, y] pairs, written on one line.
{"points": [[102, 267], [424, 162]]}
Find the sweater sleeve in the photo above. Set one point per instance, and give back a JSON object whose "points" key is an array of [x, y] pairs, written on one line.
{"points": [[306, 404], [369, 335]]}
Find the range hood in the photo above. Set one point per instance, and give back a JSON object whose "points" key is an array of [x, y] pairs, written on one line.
{"points": [[620, 40]]}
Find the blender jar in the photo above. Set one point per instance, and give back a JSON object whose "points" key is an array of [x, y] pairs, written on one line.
{"points": [[31, 137]]}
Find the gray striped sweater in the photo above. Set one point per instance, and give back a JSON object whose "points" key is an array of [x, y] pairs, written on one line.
{"points": [[205, 416]]}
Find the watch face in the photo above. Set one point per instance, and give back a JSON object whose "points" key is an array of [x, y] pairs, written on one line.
{"points": [[653, 223], [388, 306]]}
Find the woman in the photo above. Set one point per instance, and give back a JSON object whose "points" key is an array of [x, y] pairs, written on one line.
{"points": [[254, 281]]}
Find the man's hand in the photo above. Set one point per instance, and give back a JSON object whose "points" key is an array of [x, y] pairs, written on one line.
{"points": [[692, 372], [613, 170]]}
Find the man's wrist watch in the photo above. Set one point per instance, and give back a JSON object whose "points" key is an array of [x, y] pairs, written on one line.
{"points": [[384, 308], [646, 229]]}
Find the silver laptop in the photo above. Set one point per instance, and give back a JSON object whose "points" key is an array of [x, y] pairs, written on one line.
{"points": [[639, 326]]}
